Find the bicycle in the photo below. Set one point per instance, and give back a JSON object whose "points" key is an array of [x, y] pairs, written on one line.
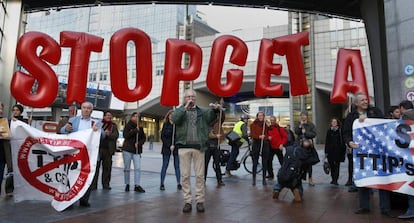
{"points": [[246, 159]]}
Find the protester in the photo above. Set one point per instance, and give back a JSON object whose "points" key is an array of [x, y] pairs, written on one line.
{"points": [[80, 123], [394, 112], [134, 140], [17, 112], [192, 135], [241, 129], [407, 113], [107, 148], [362, 111], [277, 138], [259, 133], [297, 160], [290, 136], [334, 149], [305, 129], [62, 122], [215, 138], [168, 147]]}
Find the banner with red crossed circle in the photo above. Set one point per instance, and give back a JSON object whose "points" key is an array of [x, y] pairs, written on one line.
{"points": [[49, 166]]}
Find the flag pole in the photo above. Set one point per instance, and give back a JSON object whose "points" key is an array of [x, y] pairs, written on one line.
{"points": [[263, 129], [219, 124], [172, 147]]}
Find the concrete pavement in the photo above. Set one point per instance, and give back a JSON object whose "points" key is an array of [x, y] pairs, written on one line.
{"points": [[237, 201]]}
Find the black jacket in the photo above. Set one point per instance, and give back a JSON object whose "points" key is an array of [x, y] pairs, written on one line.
{"points": [[166, 138], [130, 135], [334, 145], [372, 112]]}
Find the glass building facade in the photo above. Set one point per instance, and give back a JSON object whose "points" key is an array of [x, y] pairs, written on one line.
{"points": [[161, 22]]}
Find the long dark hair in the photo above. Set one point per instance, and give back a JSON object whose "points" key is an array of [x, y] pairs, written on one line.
{"points": [[337, 121], [167, 116]]}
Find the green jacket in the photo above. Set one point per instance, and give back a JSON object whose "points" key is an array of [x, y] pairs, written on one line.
{"points": [[204, 118]]}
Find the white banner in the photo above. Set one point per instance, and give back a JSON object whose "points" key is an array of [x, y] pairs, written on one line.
{"points": [[50, 166]]}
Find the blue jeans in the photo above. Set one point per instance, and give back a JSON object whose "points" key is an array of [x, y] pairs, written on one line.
{"points": [[410, 208], [165, 162], [127, 156], [235, 149], [384, 198]]}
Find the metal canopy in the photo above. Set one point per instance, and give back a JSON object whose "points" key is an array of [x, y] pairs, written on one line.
{"points": [[343, 8]]}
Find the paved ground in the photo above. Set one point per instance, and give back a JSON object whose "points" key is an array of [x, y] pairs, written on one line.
{"points": [[237, 201]]}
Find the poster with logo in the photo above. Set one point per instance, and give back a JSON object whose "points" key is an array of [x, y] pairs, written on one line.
{"points": [[384, 158], [4, 129], [52, 167]]}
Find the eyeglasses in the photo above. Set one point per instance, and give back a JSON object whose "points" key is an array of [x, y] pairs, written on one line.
{"points": [[190, 96]]}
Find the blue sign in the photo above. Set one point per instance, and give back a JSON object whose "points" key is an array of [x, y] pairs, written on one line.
{"points": [[409, 69]]}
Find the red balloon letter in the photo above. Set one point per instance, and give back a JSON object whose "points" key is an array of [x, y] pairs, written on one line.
{"points": [[290, 46], [82, 45], [234, 76], [47, 82], [174, 72], [348, 58], [143, 64], [265, 68]]}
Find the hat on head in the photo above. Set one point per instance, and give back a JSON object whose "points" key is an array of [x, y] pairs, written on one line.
{"points": [[242, 117], [304, 112]]}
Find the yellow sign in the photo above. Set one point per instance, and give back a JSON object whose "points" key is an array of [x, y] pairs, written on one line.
{"points": [[409, 82]]}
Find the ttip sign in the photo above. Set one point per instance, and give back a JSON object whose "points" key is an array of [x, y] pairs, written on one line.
{"points": [[82, 44]]}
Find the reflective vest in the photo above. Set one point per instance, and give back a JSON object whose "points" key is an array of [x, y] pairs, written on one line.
{"points": [[237, 129]]}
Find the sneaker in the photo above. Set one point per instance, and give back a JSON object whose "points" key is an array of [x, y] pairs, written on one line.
{"points": [[348, 183], [127, 188], [139, 189], [187, 208], [162, 187], [200, 207], [276, 195], [179, 187], [297, 196], [107, 188], [408, 214]]}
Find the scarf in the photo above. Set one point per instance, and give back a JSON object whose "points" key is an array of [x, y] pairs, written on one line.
{"points": [[107, 125]]}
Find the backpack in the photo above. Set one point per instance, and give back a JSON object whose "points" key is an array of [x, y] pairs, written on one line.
{"points": [[289, 172]]}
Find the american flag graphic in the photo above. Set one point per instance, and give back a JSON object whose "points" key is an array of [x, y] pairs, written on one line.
{"points": [[384, 158]]}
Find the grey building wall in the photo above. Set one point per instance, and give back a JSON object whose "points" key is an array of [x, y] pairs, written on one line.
{"points": [[399, 21]]}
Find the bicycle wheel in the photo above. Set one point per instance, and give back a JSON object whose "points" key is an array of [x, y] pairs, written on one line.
{"points": [[248, 164]]}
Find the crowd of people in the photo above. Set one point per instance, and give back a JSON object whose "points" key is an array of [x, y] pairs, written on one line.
{"points": [[193, 135]]}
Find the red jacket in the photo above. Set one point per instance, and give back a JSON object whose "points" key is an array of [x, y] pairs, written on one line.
{"points": [[256, 129], [278, 136]]}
